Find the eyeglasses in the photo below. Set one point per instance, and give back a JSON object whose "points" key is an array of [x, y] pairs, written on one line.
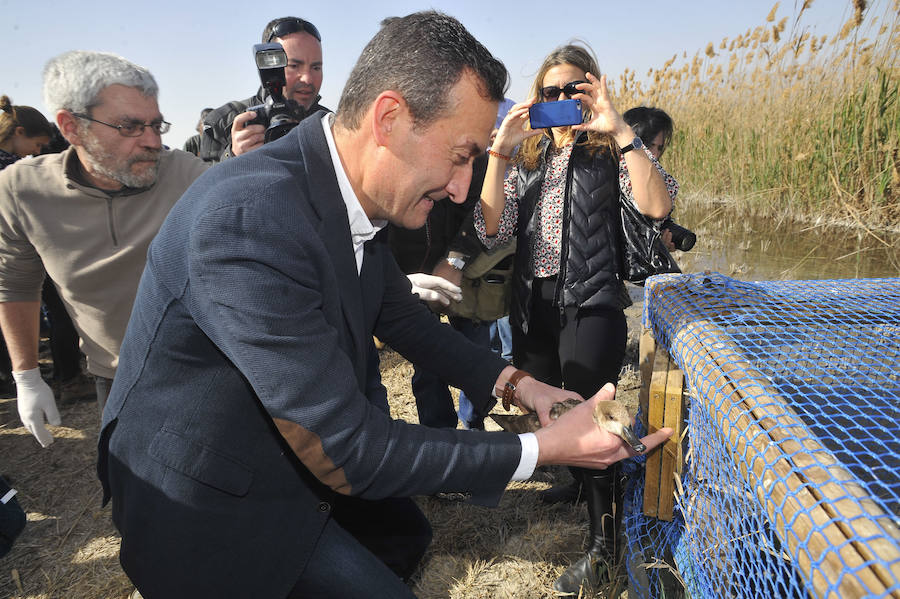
{"points": [[131, 128], [551, 92], [293, 25]]}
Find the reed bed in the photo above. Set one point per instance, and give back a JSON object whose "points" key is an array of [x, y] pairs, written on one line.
{"points": [[786, 120]]}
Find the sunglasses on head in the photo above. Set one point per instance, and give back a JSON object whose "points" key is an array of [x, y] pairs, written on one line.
{"points": [[551, 92], [293, 25]]}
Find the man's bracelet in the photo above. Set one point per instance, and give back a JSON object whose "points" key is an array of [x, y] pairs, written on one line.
{"points": [[509, 389]]}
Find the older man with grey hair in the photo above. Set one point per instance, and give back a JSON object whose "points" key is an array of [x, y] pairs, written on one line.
{"points": [[85, 217]]}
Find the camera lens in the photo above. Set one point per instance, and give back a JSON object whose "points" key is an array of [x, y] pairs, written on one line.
{"points": [[684, 239]]}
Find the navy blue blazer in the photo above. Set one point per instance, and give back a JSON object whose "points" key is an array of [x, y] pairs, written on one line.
{"points": [[238, 407]]}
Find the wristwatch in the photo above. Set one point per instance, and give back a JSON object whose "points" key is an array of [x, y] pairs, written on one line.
{"points": [[636, 144], [456, 262]]}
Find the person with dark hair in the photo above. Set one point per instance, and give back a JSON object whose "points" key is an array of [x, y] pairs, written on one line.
{"points": [[23, 132], [192, 144], [560, 199], [225, 130], [652, 124], [85, 217], [655, 125], [240, 451]]}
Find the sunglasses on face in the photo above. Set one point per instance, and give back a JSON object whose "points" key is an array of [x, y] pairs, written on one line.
{"points": [[293, 25], [551, 92]]}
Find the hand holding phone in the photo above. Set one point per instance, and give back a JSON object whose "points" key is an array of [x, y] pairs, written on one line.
{"points": [[555, 114]]}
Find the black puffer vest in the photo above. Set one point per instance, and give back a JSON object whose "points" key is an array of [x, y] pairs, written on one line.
{"points": [[590, 254]]}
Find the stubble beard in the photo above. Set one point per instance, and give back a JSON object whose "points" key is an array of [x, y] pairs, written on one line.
{"points": [[103, 162], [300, 86]]}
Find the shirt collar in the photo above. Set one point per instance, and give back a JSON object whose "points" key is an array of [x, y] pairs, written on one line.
{"points": [[361, 228]]}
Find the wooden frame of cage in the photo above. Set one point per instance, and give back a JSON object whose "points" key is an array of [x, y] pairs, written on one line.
{"points": [[810, 499], [661, 400]]}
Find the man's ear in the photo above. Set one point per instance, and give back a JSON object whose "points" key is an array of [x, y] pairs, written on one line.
{"points": [[68, 126], [387, 113]]}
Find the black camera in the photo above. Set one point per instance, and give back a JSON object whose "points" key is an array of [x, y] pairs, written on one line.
{"points": [[683, 239], [278, 115]]}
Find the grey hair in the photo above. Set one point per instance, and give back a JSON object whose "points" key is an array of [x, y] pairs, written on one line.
{"points": [[73, 80]]}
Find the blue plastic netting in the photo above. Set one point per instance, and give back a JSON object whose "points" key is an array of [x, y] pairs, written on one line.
{"points": [[791, 484]]}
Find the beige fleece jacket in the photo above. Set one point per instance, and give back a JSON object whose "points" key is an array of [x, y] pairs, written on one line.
{"points": [[92, 244]]}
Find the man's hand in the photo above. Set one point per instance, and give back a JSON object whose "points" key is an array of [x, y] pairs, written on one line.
{"points": [[534, 396], [36, 402], [434, 289], [574, 439], [243, 137]]}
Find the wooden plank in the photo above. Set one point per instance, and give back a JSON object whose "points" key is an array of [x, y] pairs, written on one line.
{"points": [[655, 418], [671, 448], [846, 502], [646, 352], [805, 496]]}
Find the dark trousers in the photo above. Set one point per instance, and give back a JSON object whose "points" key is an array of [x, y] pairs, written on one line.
{"points": [[581, 350], [5, 368], [367, 550], [434, 403], [63, 336]]}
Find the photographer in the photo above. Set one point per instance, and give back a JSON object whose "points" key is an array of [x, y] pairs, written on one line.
{"points": [[225, 133], [654, 125]]}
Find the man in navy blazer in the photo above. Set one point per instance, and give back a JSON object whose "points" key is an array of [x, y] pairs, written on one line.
{"points": [[241, 454]]}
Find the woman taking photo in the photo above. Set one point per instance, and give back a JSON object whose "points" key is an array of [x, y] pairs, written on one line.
{"points": [[560, 196]]}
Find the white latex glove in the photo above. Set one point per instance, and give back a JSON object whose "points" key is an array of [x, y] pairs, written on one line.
{"points": [[434, 289], [36, 402]]}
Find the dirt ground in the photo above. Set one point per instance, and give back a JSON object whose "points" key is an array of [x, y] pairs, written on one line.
{"points": [[69, 548]]}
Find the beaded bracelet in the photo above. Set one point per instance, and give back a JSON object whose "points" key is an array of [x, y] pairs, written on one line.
{"points": [[499, 155]]}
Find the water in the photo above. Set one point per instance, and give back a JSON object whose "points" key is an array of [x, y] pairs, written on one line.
{"points": [[753, 248]]}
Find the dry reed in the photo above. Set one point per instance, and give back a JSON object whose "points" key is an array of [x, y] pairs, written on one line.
{"points": [[787, 119]]}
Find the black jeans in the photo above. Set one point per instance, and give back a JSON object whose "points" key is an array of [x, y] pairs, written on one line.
{"points": [[581, 350], [63, 336]]}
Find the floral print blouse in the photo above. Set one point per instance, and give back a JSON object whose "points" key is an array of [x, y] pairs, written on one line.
{"points": [[549, 208]]}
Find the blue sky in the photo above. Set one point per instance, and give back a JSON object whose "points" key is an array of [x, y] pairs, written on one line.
{"points": [[200, 52]]}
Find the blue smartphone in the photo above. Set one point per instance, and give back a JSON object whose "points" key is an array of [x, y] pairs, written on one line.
{"points": [[555, 114]]}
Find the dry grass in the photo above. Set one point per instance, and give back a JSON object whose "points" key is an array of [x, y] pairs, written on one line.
{"points": [[69, 548]]}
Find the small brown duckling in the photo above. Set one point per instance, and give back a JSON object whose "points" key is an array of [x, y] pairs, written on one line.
{"points": [[609, 414], [613, 416]]}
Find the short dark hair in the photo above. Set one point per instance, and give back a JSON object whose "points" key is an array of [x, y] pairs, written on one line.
{"points": [[647, 122], [301, 25], [421, 56]]}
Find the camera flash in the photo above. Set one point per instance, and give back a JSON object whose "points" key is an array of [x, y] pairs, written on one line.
{"points": [[270, 58]]}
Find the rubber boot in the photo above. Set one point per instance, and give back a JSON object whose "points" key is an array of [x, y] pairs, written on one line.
{"points": [[593, 572], [568, 493]]}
